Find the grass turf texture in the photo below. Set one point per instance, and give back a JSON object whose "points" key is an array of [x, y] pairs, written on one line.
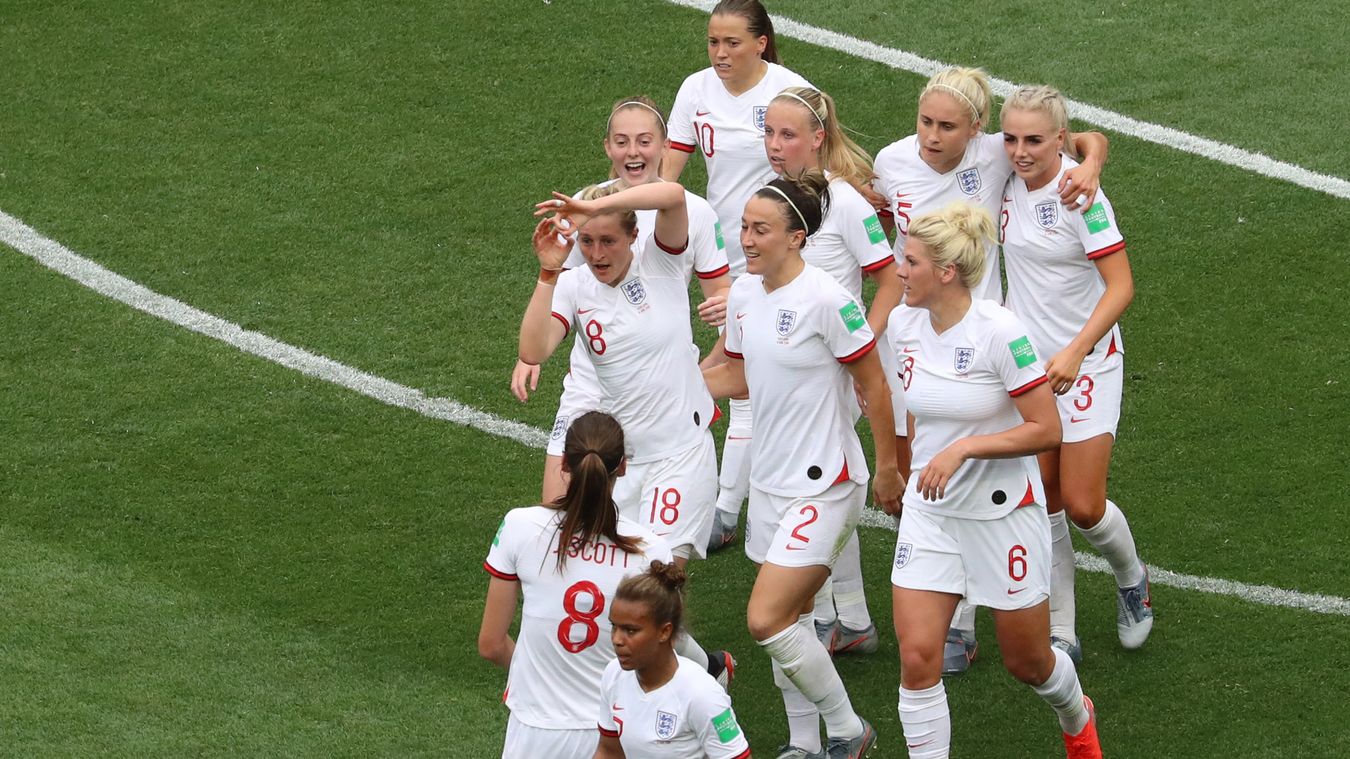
{"points": [[205, 553]]}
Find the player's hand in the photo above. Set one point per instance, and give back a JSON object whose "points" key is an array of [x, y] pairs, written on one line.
{"points": [[1062, 370], [524, 380], [887, 488], [552, 242], [934, 477], [874, 198], [570, 209], [713, 311], [1078, 187]]}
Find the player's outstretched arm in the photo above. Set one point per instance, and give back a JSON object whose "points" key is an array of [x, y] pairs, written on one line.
{"points": [[540, 333], [494, 635], [1085, 179], [886, 485]]}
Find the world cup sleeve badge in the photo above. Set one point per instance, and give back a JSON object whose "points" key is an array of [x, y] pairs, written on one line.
{"points": [[969, 180], [665, 725], [1047, 214], [759, 112]]}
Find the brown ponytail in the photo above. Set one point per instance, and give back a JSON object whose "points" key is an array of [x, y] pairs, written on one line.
{"points": [[593, 453]]}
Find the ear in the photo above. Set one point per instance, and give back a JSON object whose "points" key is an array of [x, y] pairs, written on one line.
{"points": [[949, 274], [817, 140], [797, 239], [667, 633], [623, 467], [761, 44]]}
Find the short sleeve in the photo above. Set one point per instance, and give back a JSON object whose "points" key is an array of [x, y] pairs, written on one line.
{"points": [[1014, 357], [1098, 231], [680, 129], [714, 721], [705, 241], [994, 156], [656, 548], [501, 558], [605, 721], [844, 325], [659, 260], [565, 298], [735, 311], [863, 235]]}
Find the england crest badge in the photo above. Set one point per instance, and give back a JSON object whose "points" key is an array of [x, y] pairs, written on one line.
{"points": [[786, 321], [902, 553], [634, 291], [1047, 214], [665, 725], [969, 180], [760, 110], [964, 358], [559, 428]]}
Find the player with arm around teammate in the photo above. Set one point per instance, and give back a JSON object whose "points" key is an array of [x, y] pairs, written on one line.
{"points": [[1069, 279], [635, 140], [973, 523], [567, 559], [802, 132], [719, 113], [653, 703], [796, 341], [950, 157]]}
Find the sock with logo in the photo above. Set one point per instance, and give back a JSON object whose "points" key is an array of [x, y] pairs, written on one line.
{"points": [[927, 722]]}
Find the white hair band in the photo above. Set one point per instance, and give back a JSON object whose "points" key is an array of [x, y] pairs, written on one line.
{"points": [[959, 94], [802, 100], [805, 226], [627, 103]]}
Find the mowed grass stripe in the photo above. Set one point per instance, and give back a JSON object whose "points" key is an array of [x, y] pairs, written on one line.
{"points": [[70, 264]]}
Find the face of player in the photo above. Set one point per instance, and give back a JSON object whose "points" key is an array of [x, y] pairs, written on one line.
{"points": [[638, 640], [765, 238], [790, 140], [634, 145], [607, 247], [733, 52], [944, 128], [922, 277], [1033, 144]]}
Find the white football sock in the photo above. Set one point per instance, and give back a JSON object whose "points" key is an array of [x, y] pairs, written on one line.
{"points": [[927, 722], [825, 613], [734, 479], [802, 716], [849, 598], [964, 616], [1062, 606], [686, 646], [1113, 540], [1064, 694], [807, 664]]}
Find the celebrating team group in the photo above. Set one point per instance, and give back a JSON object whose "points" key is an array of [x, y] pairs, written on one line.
{"points": [[993, 413]]}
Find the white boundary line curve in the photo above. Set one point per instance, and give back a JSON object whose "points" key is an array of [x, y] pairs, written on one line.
{"points": [[1101, 117], [66, 262]]}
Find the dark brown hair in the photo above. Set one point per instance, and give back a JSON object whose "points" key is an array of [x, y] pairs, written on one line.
{"points": [[661, 588], [593, 453], [757, 22], [803, 199]]}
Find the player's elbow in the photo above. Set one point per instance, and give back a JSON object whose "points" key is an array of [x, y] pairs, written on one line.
{"points": [[491, 647], [1049, 435]]}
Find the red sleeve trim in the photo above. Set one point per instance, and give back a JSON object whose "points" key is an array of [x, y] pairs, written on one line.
{"points": [[1041, 380], [500, 575], [1108, 250], [715, 273], [682, 147], [733, 354], [668, 249], [743, 755], [863, 351], [567, 325], [607, 733], [887, 213], [879, 265]]}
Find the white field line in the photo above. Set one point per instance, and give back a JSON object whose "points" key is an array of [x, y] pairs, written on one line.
{"points": [[1101, 117], [57, 257]]}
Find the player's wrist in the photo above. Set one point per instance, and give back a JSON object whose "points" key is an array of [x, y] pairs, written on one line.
{"points": [[548, 276]]}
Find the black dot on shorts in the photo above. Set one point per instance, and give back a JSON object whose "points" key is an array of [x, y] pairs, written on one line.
{"points": [[999, 497], [814, 472], [696, 418]]}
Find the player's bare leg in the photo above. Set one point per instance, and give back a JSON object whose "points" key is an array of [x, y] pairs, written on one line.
{"points": [[921, 619], [1024, 641]]}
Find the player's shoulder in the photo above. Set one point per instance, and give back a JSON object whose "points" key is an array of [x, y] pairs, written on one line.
{"points": [[610, 676], [904, 322], [535, 515], [996, 322], [896, 153], [781, 76], [697, 205], [694, 682], [822, 287], [747, 286]]}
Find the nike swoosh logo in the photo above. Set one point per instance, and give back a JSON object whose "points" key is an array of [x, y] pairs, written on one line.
{"points": [[740, 314], [910, 350], [616, 707], [581, 311], [1007, 200], [1012, 592], [796, 548], [919, 745], [702, 113], [1075, 420]]}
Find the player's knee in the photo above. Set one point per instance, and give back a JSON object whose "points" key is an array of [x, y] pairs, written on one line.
{"points": [[920, 665], [1084, 509], [1032, 668], [764, 624]]}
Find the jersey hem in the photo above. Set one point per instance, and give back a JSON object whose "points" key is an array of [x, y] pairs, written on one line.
{"points": [[855, 355], [1041, 380], [500, 575], [1108, 250]]}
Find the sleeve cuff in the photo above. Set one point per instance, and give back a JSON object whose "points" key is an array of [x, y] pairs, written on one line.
{"points": [[855, 355], [1108, 250], [682, 147], [500, 575], [668, 249], [1041, 380], [734, 354], [607, 733], [567, 325], [879, 265], [715, 273]]}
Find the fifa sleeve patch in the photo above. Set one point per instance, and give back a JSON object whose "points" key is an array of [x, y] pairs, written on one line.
{"points": [[717, 227], [1022, 352], [726, 727], [497, 539], [852, 316], [874, 232], [1097, 218]]}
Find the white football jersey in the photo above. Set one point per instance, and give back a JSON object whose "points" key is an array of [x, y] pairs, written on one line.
{"points": [[642, 349], [795, 342], [850, 240], [690, 717], [1053, 284], [962, 383], [728, 130], [564, 642], [912, 187], [705, 257]]}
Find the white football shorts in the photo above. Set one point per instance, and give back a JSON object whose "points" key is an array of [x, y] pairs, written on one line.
{"points": [[526, 742], [675, 497], [1092, 405], [802, 531], [576, 400], [998, 563]]}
